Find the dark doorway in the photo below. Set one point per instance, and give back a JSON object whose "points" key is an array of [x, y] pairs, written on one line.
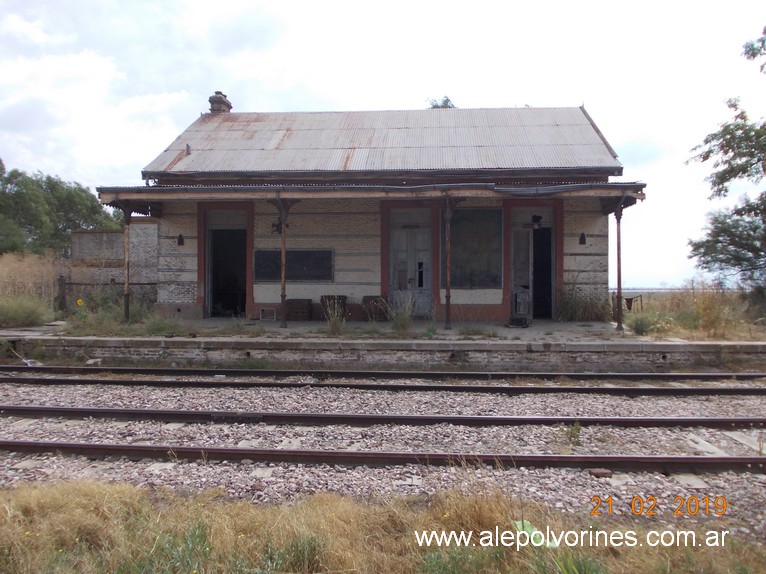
{"points": [[228, 264], [542, 268]]}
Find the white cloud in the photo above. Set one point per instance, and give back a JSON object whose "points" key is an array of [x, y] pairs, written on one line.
{"points": [[93, 91], [31, 32]]}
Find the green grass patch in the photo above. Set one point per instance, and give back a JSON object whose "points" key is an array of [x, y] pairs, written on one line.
{"points": [[160, 325]]}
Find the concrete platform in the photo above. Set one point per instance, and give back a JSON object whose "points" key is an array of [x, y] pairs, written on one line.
{"points": [[544, 346]]}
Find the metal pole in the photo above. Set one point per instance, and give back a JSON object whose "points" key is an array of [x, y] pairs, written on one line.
{"points": [[618, 219], [283, 276], [448, 270], [61, 299]]}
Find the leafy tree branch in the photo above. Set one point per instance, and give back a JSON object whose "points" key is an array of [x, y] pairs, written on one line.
{"points": [[735, 239], [38, 212], [738, 147]]}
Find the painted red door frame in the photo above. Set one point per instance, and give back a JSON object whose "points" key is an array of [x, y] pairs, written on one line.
{"points": [[508, 205]]}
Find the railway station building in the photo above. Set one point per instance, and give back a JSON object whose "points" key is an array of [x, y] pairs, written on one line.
{"points": [[473, 214]]}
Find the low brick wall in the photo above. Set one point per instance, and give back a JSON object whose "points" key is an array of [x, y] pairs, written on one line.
{"points": [[437, 355]]}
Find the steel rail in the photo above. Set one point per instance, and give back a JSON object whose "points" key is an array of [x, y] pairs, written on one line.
{"points": [[353, 419], [320, 373], [664, 464], [222, 382]]}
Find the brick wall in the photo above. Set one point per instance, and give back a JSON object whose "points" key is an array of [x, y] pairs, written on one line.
{"points": [[481, 355], [350, 228], [97, 256], [586, 267], [177, 264]]}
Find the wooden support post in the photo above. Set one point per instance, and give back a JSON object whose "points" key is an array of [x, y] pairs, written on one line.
{"points": [[126, 263], [283, 206]]}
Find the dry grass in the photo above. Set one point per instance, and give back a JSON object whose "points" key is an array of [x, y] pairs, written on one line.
{"points": [[23, 311], [30, 275], [28, 289], [92, 527], [699, 313]]}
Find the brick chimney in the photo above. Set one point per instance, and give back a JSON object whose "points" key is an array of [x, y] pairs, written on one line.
{"points": [[219, 103]]}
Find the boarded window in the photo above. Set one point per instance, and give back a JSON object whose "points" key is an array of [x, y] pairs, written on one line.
{"points": [[302, 265], [477, 249]]}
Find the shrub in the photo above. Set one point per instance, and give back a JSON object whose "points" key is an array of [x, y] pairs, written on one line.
{"points": [[101, 311], [24, 311], [648, 323]]}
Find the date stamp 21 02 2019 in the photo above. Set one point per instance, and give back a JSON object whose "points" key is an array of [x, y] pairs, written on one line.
{"points": [[649, 506]]}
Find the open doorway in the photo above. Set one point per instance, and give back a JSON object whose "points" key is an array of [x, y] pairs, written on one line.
{"points": [[532, 267], [227, 272], [226, 263]]}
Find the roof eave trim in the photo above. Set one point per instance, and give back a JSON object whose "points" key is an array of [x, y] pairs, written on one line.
{"points": [[349, 175], [599, 132], [543, 190]]}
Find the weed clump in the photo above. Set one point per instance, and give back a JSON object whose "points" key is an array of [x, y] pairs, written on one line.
{"points": [[335, 313], [699, 311], [24, 311], [399, 312], [574, 304]]}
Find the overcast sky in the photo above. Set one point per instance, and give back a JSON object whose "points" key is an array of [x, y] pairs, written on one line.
{"points": [[92, 91]]}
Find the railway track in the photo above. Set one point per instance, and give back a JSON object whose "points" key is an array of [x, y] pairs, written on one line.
{"points": [[364, 420], [269, 437], [675, 385], [664, 464], [385, 374], [657, 463]]}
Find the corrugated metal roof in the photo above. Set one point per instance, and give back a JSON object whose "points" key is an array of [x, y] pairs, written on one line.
{"points": [[429, 139]]}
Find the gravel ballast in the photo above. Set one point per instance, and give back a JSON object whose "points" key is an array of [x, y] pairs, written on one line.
{"points": [[565, 489]]}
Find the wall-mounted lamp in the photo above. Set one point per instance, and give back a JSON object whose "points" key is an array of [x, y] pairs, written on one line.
{"points": [[180, 240], [583, 239], [536, 222]]}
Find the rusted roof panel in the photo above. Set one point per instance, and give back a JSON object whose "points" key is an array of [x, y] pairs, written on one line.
{"points": [[430, 139]]}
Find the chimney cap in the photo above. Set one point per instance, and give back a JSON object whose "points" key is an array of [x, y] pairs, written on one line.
{"points": [[219, 103]]}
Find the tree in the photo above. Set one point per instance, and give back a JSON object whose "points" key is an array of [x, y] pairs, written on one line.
{"points": [[11, 238], [735, 239], [38, 212], [735, 243], [445, 102], [738, 149], [756, 49]]}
